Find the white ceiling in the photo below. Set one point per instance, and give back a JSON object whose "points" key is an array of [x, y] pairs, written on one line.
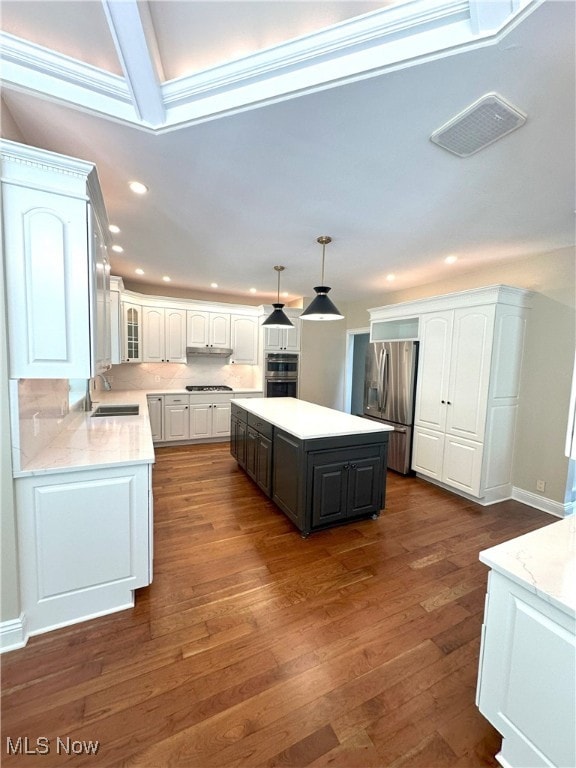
{"points": [[250, 159]]}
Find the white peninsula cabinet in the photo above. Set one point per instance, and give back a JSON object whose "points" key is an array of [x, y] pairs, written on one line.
{"points": [[527, 671], [57, 270], [85, 543], [470, 356]]}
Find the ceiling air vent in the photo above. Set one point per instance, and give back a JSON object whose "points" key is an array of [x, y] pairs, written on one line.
{"points": [[483, 123]]}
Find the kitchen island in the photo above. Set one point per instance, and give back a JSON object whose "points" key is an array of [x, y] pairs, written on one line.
{"points": [[527, 675], [320, 466]]}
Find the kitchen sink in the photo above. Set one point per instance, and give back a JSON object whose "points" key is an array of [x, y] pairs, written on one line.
{"points": [[117, 410]]}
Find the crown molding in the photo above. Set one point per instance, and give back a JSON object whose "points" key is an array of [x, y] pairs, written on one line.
{"points": [[365, 46], [33, 68]]}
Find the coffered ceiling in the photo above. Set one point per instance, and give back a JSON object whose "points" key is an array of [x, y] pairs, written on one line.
{"points": [[258, 126]]}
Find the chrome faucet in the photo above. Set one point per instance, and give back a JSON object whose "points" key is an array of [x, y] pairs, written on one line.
{"points": [[107, 385]]}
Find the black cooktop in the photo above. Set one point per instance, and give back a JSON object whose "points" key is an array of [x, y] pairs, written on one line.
{"points": [[209, 388]]}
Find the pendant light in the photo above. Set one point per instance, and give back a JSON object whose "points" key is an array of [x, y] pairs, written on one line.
{"points": [[322, 308], [277, 319]]}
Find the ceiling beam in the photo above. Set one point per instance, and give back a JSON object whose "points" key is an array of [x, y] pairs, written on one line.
{"points": [[137, 50]]}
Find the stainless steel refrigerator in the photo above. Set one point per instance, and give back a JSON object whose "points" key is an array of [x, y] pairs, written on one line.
{"points": [[389, 392]]}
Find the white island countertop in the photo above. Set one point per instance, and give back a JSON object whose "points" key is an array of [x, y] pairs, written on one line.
{"points": [[308, 421], [542, 561]]}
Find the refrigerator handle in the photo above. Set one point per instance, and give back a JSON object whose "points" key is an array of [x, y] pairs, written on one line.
{"points": [[379, 371], [385, 381]]}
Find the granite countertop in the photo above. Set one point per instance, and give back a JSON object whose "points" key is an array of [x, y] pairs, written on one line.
{"points": [[307, 420], [542, 561]]}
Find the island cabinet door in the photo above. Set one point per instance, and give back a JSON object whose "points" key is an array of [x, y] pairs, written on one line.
{"points": [[264, 464], [365, 486], [251, 448], [329, 491], [346, 483]]}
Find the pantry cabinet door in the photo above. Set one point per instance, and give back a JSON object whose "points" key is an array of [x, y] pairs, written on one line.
{"points": [[428, 452], [433, 370], [470, 372]]}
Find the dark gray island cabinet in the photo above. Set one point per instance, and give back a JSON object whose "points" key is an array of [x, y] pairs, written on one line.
{"points": [[321, 467]]}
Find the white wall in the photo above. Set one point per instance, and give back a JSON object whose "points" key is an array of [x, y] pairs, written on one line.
{"points": [[323, 351]]}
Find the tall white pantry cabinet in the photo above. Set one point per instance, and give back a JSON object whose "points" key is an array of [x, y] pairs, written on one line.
{"points": [[57, 266], [470, 358]]}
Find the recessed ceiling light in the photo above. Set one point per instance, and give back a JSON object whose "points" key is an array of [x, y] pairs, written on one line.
{"points": [[117, 249], [252, 290], [285, 294], [451, 259], [166, 278], [114, 229], [138, 187], [213, 285], [139, 271], [391, 277]]}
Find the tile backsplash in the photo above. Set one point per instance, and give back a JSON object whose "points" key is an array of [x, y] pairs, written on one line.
{"points": [[42, 411], [159, 376]]}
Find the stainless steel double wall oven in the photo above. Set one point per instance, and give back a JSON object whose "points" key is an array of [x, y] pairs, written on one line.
{"points": [[281, 374]]}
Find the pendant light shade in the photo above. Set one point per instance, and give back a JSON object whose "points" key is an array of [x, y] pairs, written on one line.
{"points": [[322, 308], [277, 318]]}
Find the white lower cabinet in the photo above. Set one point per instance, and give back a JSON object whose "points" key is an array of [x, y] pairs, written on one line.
{"points": [[176, 419], [527, 675], [156, 414], [450, 460], [85, 543], [209, 420]]}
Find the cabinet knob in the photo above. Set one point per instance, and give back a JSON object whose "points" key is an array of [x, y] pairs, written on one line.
{"points": [[354, 466], [346, 467], [448, 402], [443, 402]]}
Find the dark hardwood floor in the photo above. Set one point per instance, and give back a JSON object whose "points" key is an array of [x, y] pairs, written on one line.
{"points": [[356, 647]]}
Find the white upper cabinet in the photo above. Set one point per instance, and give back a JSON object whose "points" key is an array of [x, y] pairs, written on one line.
{"points": [[57, 271], [244, 339], [131, 332], [208, 329], [164, 335], [284, 339]]}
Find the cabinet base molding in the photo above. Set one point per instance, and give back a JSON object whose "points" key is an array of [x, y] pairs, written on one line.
{"points": [[13, 634], [170, 443]]}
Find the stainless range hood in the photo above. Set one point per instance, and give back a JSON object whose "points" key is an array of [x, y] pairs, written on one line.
{"points": [[208, 351]]}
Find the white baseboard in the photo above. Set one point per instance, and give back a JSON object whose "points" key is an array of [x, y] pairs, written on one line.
{"points": [[13, 634], [555, 508]]}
